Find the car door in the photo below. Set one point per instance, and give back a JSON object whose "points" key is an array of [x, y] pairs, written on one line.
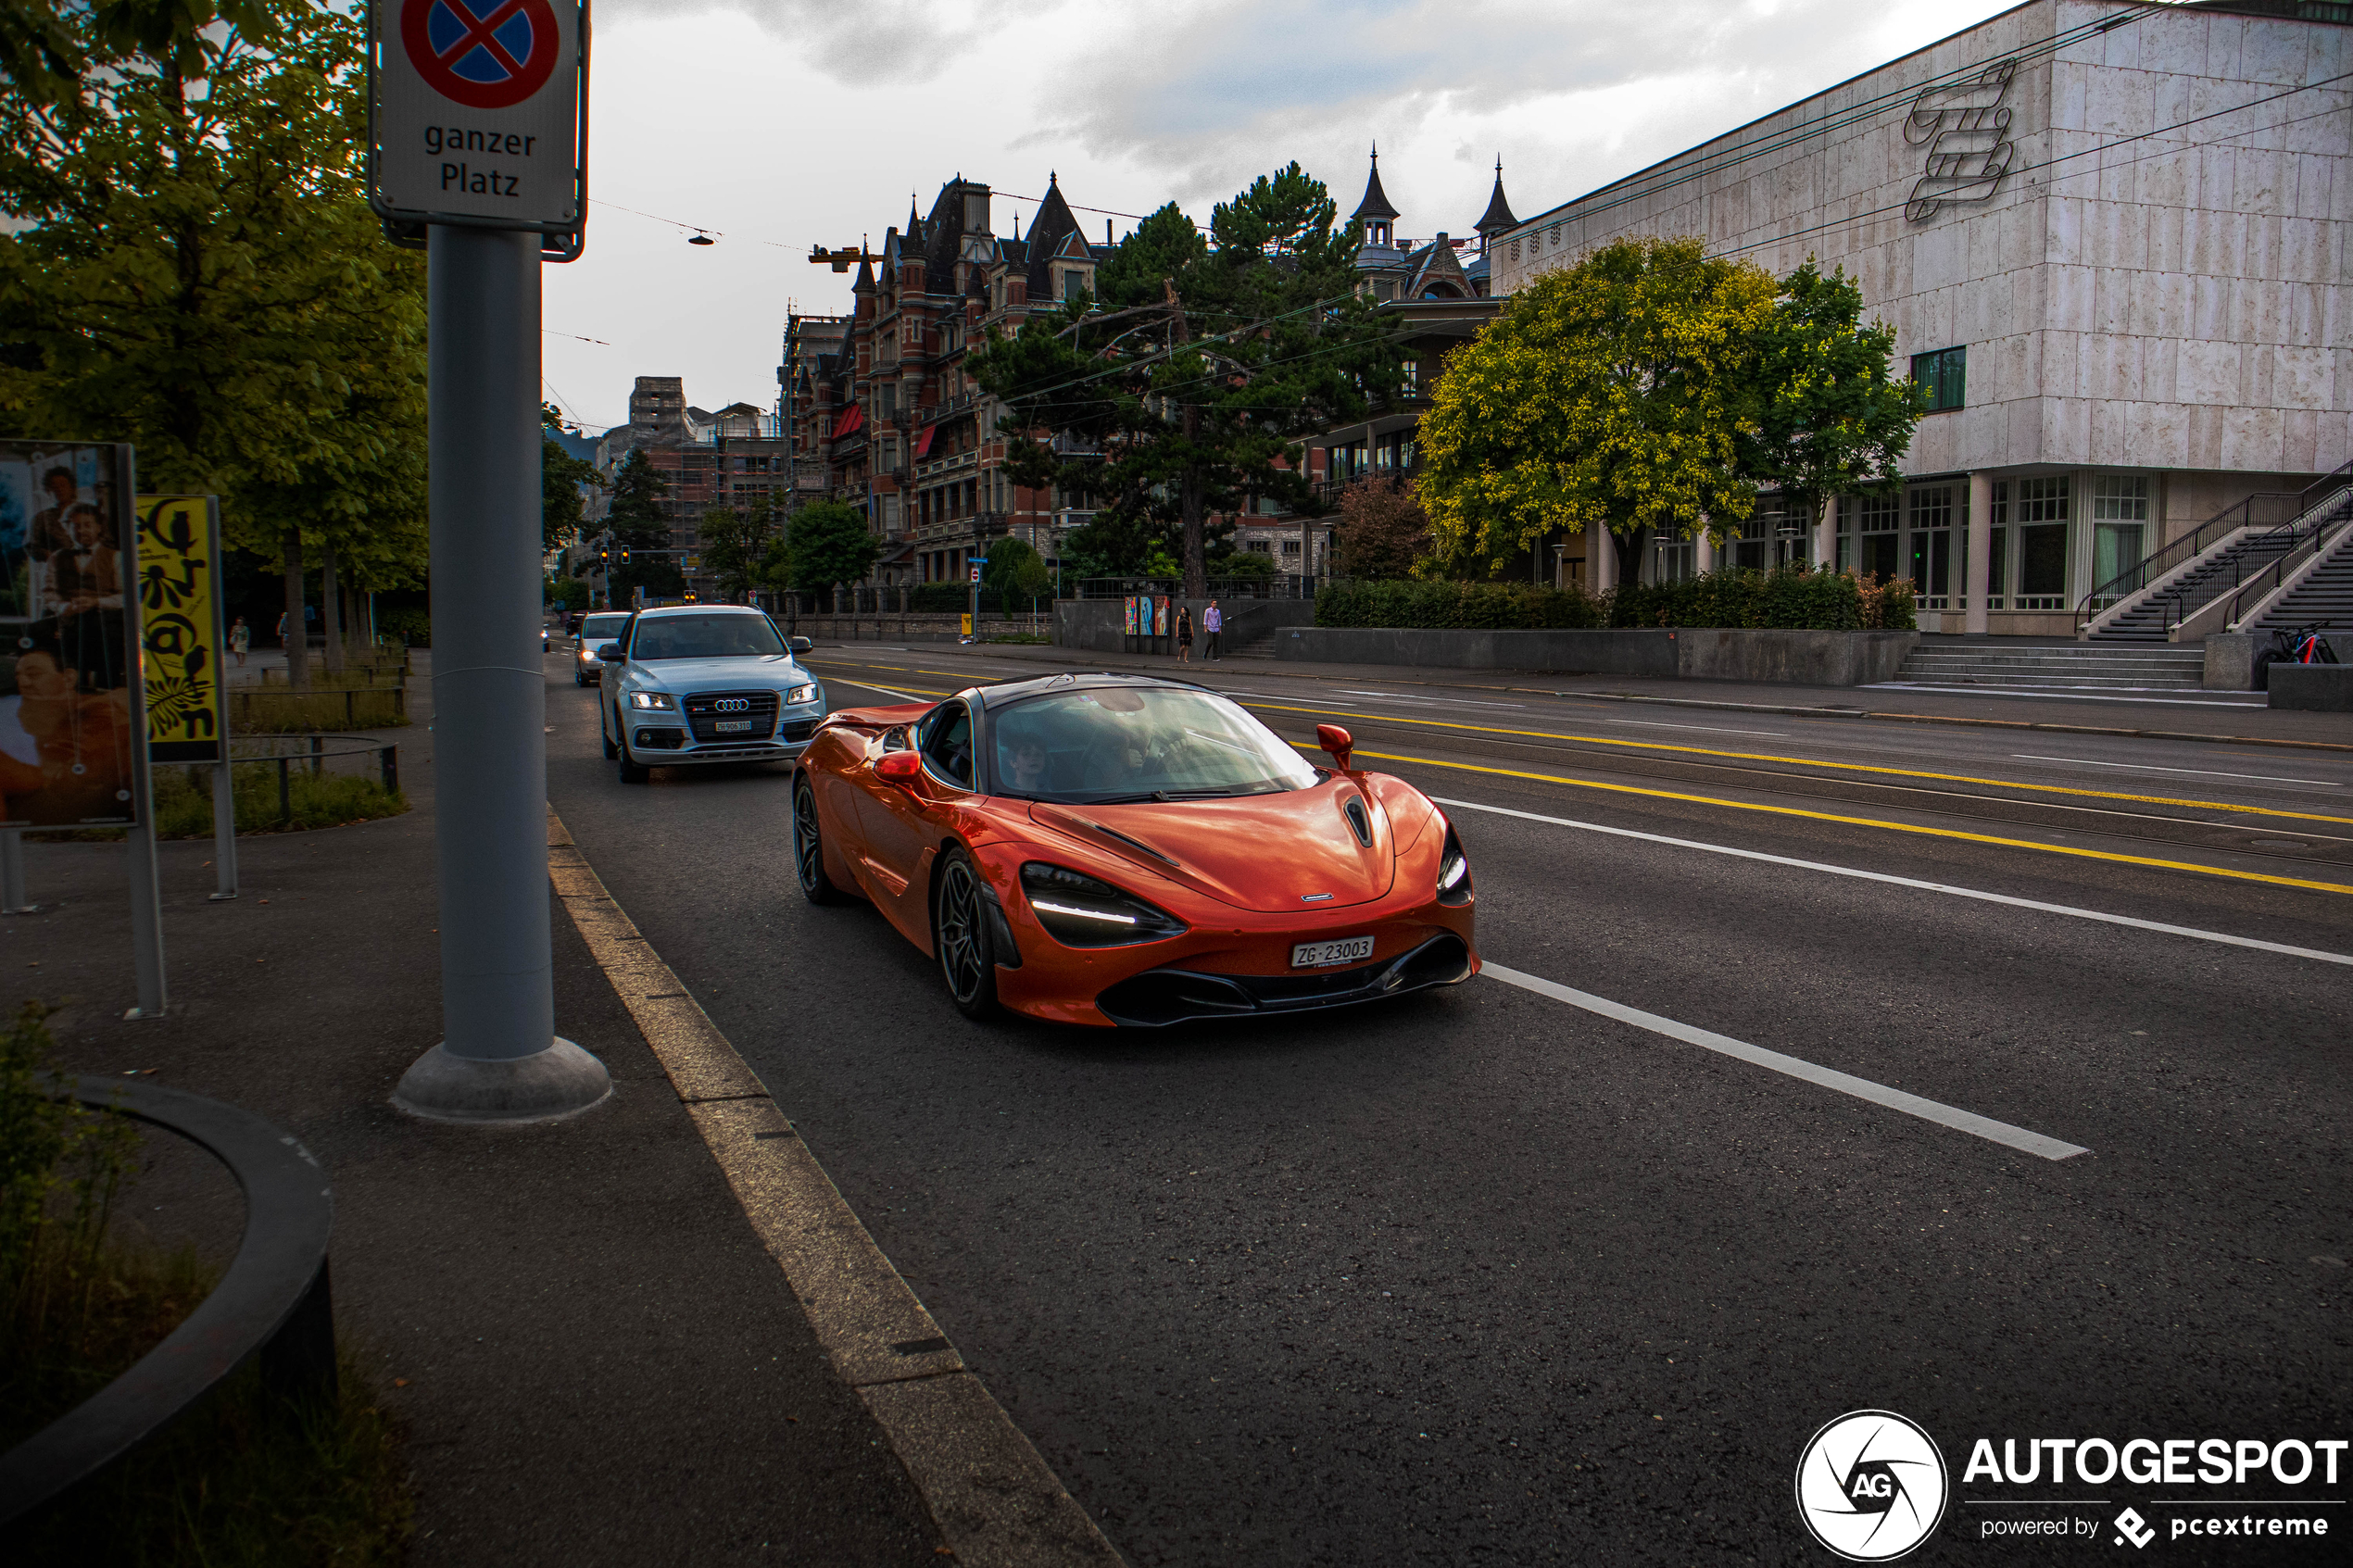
{"points": [[905, 822]]}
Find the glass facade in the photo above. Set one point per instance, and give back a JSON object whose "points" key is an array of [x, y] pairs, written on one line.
{"points": [[1944, 373]]}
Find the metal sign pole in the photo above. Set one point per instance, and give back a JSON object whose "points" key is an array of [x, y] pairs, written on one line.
{"points": [[224, 827], [12, 895], [146, 883]]}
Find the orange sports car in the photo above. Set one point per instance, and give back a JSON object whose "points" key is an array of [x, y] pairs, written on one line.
{"points": [[1119, 849]]}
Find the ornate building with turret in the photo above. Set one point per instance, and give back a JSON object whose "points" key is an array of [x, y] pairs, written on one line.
{"points": [[885, 416]]}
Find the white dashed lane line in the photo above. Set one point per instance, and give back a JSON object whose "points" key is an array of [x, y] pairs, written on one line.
{"points": [[1944, 1115], [2152, 768], [2101, 916]]}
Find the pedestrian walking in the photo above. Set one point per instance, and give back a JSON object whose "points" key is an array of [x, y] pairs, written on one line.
{"points": [[1213, 620], [240, 639], [1184, 635]]}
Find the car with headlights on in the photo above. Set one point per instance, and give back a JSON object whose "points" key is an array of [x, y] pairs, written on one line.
{"points": [[1125, 850], [690, 685], [595, 633]]}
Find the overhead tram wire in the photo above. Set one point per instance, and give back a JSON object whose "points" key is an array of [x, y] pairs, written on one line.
{"points": [[2086, 152], [1869, 109]]}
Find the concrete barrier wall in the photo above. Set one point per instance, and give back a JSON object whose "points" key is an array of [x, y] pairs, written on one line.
{"points": [[1094, 625], [1802, 659], [2314, 688], [896, 627]]}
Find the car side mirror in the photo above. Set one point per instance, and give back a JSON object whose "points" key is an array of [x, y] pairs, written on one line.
{"points": [[1336, 741], [800, 645], [899, 767], [610, 653]]}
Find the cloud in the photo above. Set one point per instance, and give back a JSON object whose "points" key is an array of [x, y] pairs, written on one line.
{"points": [[865, 43]]}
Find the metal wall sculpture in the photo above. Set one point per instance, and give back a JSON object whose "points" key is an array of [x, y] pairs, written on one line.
{"points": [[1965, 125]]}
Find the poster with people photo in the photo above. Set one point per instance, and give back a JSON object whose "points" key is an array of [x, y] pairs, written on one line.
{"points": [[68, 716]]}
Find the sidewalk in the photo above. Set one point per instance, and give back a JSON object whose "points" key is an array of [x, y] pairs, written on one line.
{"points": [[603, 1364], [2208, 715]]}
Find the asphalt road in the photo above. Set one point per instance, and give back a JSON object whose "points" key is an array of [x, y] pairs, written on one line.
{"points": [[1490, 1276]]}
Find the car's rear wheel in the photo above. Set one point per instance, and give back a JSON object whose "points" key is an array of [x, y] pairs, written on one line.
{"points": [[809, 849], [959, 935], [632, 771]]}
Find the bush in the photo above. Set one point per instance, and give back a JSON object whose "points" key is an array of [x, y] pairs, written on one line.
{"points": [[1788, 597], [406, 625]]}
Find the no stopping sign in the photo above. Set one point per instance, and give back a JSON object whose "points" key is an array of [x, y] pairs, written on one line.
{"points": [[477, 112], [490, 60]]}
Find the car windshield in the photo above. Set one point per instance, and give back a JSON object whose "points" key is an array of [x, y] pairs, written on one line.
{"points": [[705, 636], [1126, 743], [602, 628]]}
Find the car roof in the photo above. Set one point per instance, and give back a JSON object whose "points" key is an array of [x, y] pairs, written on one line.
{"points": [[702, 609], [993, 697]]}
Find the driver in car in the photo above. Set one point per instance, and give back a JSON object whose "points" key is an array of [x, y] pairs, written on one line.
{"points": [[1020, 762]]}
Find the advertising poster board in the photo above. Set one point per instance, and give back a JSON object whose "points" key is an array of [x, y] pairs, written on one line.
{"points": [[1160, 615], [67, 712], [1131, 614], [181, 633]]}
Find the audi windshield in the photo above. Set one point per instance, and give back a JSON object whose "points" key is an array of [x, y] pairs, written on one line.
{"points": [[705, 636]]}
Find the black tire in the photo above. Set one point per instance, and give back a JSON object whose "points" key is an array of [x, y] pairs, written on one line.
{"points": [[611, 750], [2263, 662], [632, 771], [960, 935], [578, 679], [807, 847]]}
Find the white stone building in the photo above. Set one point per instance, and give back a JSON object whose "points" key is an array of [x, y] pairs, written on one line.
{"points": [[2117, 237]]}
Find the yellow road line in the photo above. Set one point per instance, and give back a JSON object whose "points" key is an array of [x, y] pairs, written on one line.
{"points": [[1809, 762], [1868, 823]]}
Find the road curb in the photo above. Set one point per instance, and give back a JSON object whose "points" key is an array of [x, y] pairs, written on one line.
{"points": [[997, 1502]]}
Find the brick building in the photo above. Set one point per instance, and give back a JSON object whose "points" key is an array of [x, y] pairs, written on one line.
{"points": [[883, 413]]}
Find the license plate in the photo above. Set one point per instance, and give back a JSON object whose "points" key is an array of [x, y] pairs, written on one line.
{"points": [[1320, 955], [725, 725]]}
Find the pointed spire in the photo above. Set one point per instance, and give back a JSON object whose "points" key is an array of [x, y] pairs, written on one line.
{"points": [[1499, 211], [914, 219], [1374, 211]]}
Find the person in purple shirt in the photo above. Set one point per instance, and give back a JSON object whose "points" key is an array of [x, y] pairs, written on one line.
{"points": [[1213, 620]]}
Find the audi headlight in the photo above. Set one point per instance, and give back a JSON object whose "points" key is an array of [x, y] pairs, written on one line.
{"points": [[650, 699], [1454, 871], [1080, 911], [799, 694]]}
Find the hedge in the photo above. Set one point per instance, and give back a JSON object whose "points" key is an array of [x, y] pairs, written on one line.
{"points": [[1787, 596]]}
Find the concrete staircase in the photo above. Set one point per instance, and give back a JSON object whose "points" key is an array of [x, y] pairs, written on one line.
{"points": [[2071, 667], [1260, 647], [2221, 570], [2325, 597]]}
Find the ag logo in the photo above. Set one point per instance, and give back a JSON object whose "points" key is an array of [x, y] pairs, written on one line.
{"points": [[1871, 1486]]}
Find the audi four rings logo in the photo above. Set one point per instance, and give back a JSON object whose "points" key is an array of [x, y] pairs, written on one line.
{"points": [[731, 705], [1871, 1486]]}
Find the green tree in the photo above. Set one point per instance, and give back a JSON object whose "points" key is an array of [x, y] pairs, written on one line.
{"points": [[196, 272], [826, 544], [1189, 397], [561, 477], [1827, 415], [640, 527], [1015, 575], [1615, 394], [735, 545]]}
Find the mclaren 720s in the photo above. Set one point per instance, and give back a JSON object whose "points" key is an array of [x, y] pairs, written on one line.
{"points": [[1117, 849]]}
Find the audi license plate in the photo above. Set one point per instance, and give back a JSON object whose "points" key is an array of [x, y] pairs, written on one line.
{"points": [[1321, 955], [724, 725]]}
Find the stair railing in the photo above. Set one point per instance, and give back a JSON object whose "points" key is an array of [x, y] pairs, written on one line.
{"points": [[2320, 538], [2164, 559]]}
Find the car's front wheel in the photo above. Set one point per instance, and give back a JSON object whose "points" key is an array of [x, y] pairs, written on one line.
{"points": [[808, 848], [959, 935], [604, 735], [632, 771]]}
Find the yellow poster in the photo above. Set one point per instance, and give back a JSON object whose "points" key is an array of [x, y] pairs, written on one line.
{"points": [[180, 633]]}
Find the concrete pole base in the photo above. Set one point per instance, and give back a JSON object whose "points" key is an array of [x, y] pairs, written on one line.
{"points": [[546, 1086]]}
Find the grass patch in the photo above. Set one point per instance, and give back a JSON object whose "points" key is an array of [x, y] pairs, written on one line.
{"points": [[244, 1477], [184, 803]]}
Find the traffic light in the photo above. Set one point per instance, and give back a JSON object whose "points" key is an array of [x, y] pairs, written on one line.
{"points": [[624, 554], [604, 558]]}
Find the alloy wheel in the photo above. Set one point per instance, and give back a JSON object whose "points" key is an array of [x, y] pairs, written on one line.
{"points": [[961, 959]]}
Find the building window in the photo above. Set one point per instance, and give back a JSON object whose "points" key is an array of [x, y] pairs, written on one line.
{"points": [[1933, 551], [1412, 377], [1875, 521], [1946, 374], [2119, 525], [2041, 511]]}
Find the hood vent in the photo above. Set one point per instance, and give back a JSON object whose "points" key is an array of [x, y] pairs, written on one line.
{"points": [[1362, 825]]}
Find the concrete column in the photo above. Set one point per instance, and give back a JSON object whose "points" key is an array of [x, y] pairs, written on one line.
{"points": [[1601, 561], [1703, 554], [1826, 534], [499, 1058], [1977, 581]]}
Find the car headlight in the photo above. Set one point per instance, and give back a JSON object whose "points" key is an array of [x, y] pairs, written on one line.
{"points": [[1454, 871], [1080, 911], [799, 694], [650, 699]]}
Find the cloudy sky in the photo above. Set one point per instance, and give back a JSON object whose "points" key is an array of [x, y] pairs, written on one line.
{"points": [[778, 124]]}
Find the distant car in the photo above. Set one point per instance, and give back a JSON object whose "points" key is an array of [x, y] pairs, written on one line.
{"points": [[695, 683], [1115, 850], [596, 631]]}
